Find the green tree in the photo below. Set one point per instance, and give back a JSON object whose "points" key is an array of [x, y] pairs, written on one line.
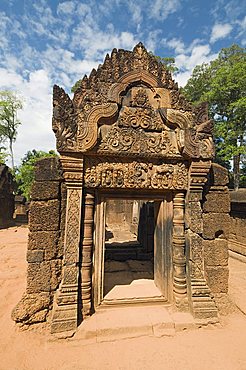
{"points": [[222, 83], [76, 86], [10, 103], [25, 172], [168, 62], [3, 155]]}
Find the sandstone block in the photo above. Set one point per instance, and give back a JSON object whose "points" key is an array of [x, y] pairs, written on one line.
{"points": [[35, 256], [48, 169], [63, 191], [45, 190], [219, 175], [38, 277], [217, 278], [216, 225], [32, 308], [48, 241], [44, 215], [215, 252], [217, 202]]}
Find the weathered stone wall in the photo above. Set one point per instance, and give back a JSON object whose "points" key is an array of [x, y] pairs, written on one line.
{"points": [[6, 196], [216, 226], [237, 236], [118, 211], [45, 242]]}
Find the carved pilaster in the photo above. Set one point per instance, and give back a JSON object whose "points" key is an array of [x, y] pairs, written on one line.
{"points": [[65, 310], [86, 258], [179, 257], [203, 305]]}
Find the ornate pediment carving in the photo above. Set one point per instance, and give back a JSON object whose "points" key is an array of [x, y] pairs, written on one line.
{"points": [[131, 106], [131, 142]]}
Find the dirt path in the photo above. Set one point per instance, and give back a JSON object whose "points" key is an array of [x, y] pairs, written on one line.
{"points": [[211, 348]]}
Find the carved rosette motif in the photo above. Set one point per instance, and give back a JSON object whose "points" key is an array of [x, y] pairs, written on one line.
{"points": [[138, 175]]}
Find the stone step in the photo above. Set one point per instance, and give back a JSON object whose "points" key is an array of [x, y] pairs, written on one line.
{"points": [[111, 324]]}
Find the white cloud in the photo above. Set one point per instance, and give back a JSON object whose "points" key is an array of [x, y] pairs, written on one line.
{"points": [[35, 132], [177, 45], [187, 57], [152, 40], [136, 12], [220, 31], [67, 7], [161, 9]]}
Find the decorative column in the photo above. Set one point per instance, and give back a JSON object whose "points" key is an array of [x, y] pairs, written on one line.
{"points": [[65, 309], [86, 257], [179, 257]]}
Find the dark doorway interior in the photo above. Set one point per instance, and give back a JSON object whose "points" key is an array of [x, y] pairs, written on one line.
{"points": [[129, 250]]}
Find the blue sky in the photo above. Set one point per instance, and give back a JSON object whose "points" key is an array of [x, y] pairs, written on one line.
{"points": [[45, 42]]}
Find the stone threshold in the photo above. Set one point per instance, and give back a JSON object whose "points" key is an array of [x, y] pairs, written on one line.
{"points": [[111, 324]]}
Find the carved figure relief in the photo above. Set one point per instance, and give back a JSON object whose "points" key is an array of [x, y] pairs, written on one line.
{"points": [[142, 175]]}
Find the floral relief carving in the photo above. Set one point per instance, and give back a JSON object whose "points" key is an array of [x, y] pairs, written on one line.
{"points": [[129, 141], [73, 222]]}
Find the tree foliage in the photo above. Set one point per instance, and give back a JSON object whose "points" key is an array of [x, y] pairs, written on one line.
{"points": [[10, 103], [76, 86], [168, 62], [222, 83], [25, 172], [3, 155]]}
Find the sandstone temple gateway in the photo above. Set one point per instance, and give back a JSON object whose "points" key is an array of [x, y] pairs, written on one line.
{"points": [[135, 163]]}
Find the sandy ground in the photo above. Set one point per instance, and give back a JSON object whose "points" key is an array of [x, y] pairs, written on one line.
{"points": [[212, 348]]}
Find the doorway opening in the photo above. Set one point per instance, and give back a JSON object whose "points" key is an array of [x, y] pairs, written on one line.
{"points": [[135, 250]]}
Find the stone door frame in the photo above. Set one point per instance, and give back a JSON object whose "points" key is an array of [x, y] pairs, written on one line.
{"points": [[99, 241]]}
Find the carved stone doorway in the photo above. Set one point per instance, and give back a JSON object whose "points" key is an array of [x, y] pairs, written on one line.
{"points": [[133, 253]]}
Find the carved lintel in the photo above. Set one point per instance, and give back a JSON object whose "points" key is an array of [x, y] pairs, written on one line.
{"points": [[179, 256], [135, 174], [65, 310]]}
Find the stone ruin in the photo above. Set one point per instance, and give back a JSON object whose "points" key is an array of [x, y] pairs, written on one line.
{"points": [[237, 241], [6, 196], [128, 135]]}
